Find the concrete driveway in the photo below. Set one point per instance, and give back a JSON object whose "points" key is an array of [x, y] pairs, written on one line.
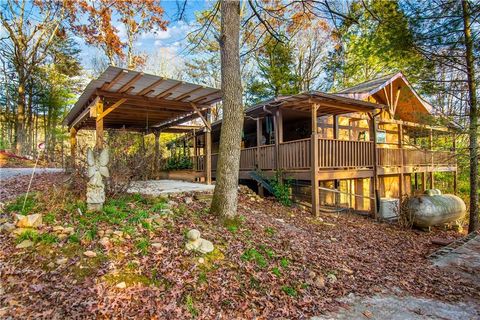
{"points": [[8, 173], [158, 187]]}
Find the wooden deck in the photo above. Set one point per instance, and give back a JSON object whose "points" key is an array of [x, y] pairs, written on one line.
{"points": [[338, 159]]}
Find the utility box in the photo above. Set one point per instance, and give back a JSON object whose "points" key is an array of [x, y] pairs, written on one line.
{"points": [[389, 208]]}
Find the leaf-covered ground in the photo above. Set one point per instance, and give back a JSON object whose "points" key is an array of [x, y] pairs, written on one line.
{"points": [[271, 262]]}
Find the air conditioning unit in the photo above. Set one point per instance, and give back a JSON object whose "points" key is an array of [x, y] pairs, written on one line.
{"points": [[389, 208]]}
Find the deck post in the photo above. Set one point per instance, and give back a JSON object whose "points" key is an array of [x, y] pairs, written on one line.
{"points": [[401, 185], [336, 182], [275, 132], [194, 146], [156, 133], [432, 182], [73, 146], [314, 163], [208, 150], [455, 175], [259, 143], [99, 125], [373, 130]]}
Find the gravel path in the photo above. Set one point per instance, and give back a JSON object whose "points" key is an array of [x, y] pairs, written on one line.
{"points": [[8, 173]]}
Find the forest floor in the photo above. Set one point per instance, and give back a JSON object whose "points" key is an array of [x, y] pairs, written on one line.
{"points": [[271, 262]]}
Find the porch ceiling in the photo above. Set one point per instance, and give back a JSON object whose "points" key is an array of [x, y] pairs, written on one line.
{"points": [[138, 101]]}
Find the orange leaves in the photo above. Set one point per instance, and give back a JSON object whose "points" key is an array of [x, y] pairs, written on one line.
{"points": [[103, 18]]}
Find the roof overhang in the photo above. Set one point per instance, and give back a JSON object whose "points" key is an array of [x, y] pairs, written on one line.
{"points": [[138, 101]]}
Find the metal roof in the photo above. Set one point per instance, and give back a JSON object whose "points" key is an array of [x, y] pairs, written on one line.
{"points": [[148, 97]]}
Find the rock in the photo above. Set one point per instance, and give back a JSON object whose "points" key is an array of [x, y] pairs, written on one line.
{"points": [[105, 241], [193, 235], [319, 282], [62, 261], [156, 245], [51, 265], [347, 271], [24, 244], [188, 200], [69, 230], [172, 203], [90, 254], [121, 285], [166, 211], [118, 233], [29, 221], [7, 227], [205, 246], [331, 278], [201, 260], [19, 231]]}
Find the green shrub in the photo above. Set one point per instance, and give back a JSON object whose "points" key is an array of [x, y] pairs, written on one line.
{"points": [[178, 163], [289, 291], [281, 190]]}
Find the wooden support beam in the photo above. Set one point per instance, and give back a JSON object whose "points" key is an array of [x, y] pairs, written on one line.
{"points": [[150, 88], [156, 164], [194, 150], [373, 137], [401, 185], [168, 91], [117, 78], [188, 94], [455, 175], [99, 126], [197, 100], [314, 163], [127, 86], [432, 182], [279, 115], [73, 146], [205, 121], [110, 109], [208, 150]]}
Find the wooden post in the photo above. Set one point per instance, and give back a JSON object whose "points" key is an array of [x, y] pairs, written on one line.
{"points": [[279, 115], [99, 125], [432, 183], [455, 175], [314, 163], [359, 192], [424, 181], [208, 150], [416, 174], [157, 152], [401, 185], [275, 132], [373, 130], [261, 192], [73, 146], [194, 145], [336, 182]]}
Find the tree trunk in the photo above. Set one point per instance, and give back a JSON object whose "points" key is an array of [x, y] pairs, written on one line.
{"points": [[473, 117], [224, 202], [20, 123]]}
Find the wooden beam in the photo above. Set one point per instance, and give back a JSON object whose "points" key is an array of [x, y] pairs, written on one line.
{"points": [[400, 146], [147, 101], [168, 91], [208, 150], [120, 74], [110, 109], [73, 146], [455, 175], [129, 84], [205, 121], [151, 88], [99, 126], [187, 94], [314, 163], [197, 100]]}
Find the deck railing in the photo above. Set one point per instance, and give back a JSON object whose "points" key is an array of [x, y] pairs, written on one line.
{"points": [[332, 154]]}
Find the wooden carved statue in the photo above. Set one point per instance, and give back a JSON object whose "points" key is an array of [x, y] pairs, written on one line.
{"points": [[97, 169]]}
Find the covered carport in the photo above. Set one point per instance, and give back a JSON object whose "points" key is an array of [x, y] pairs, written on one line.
{"points": [[136, 101]]}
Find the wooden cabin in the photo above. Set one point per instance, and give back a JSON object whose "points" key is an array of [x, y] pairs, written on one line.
{"points": [[357, 146]]}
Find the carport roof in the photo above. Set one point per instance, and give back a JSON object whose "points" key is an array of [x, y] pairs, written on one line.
{"points": [[139, 101]]}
